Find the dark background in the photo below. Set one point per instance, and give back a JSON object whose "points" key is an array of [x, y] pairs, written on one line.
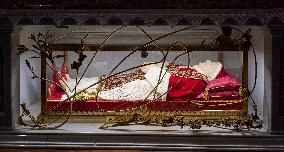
{"points": [[142, 4]]}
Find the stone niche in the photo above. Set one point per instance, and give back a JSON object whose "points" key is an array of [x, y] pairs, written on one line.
{"points": [[17, 87]]}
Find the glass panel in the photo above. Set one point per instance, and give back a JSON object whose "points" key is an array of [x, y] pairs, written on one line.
{"points": [[157, 74]]}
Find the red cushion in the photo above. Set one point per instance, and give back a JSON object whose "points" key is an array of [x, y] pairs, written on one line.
{"points": [[224, 83], [222, 73], [220, 95], [116, 105]]}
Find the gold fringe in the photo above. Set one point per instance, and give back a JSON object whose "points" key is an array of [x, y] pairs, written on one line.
{"points": [[206, 95], [241, 93]]}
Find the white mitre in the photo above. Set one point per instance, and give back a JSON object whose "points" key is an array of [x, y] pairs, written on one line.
{"points": [[209, 68]]}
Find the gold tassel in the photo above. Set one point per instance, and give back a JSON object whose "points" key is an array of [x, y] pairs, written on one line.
{"points": [[241, 93], [48, 93], [206, 95]]}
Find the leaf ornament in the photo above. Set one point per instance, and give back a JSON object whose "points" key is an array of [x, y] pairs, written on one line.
{"points": [[29, 65], [22, 49]]}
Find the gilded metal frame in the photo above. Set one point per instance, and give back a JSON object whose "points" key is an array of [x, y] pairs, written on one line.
{"points": [[239, 119]]}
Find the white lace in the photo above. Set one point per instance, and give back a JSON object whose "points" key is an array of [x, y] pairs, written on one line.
{"points": [[134, 90], [154, 78]]}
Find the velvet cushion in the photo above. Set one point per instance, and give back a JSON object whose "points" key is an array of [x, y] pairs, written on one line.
{"points": [[224, 83], [222, 73], [220, 95]]}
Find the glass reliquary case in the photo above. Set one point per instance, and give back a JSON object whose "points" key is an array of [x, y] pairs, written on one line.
{"points": [[185, 76]]}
